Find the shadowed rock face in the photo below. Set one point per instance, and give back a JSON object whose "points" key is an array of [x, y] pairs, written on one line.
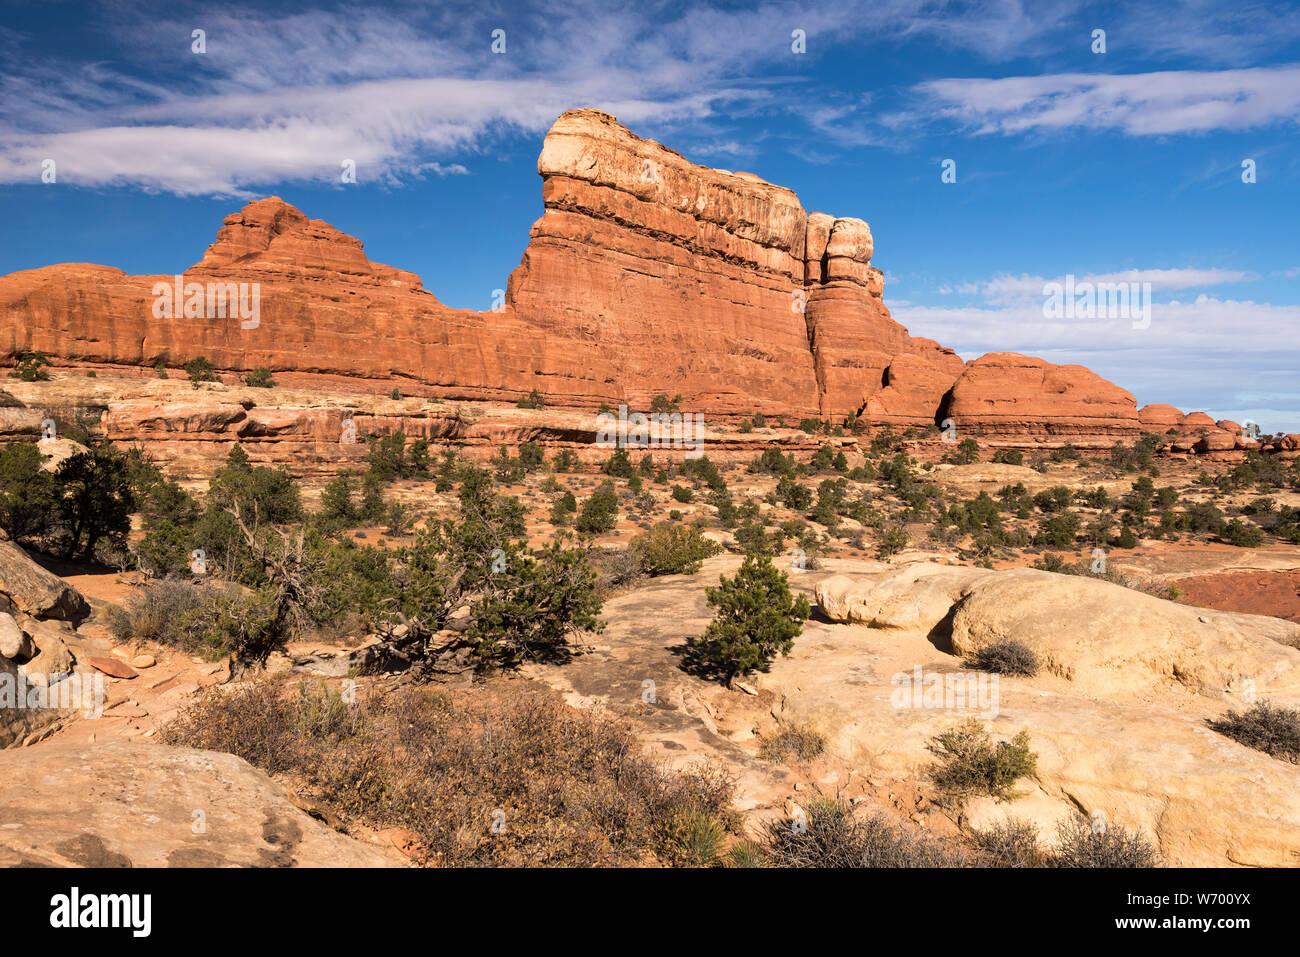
{"points": [[645, 273]]}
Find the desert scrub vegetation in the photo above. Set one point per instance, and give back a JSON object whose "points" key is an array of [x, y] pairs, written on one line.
{"points": [[1051, 562], [1079, 843], [830, 834], [1006, 656], [757, 618], [971, 765], [496, 777], [792, 738], [671, 549], [1009, 843], [1264, 727]]}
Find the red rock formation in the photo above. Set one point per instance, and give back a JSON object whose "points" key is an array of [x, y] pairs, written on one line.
{"points": [[1159, 417], [1004, 394], [645, 274]]}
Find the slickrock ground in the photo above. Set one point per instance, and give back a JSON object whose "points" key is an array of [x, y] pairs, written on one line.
{"points": [[114, 804], [1124, 735]]}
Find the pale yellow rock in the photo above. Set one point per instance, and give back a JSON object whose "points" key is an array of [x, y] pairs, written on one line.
{"points": [[1112, 640]]}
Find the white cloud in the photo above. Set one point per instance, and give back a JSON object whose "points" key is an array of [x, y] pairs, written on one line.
{"points": [[1139, 104], [287, 97], [1008, 289]]}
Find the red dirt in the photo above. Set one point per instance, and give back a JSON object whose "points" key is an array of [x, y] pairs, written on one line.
{"points": [[1259, 593]]}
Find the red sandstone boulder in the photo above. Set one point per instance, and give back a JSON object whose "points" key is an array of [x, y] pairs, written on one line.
{"points": [[1007, 394], [1216, 442], [1160, 417]]}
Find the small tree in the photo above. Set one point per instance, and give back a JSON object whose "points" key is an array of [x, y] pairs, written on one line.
{"points": [[757, 617], [600, 511], [27, 492], [95, 500], [892, 541], [199, 369], [31, 368], [259, 378]]}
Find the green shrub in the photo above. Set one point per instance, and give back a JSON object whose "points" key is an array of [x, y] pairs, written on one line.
{"points": [[756, 618], [1009, 457], [1240, 534], [966, 453], [705, 471], [532, 456], [259, 378], [971, 765], [619, 465], [773, 462], [892, 541], [507, 469], [336, 506], [32, 367], [745, 853], [534, 400], [95, 501], [693, 838], [682, 494], [793, 494], [1055, 499], [1058, 530], [199, 369], [27, 493], [599, 511], [669, 549]]}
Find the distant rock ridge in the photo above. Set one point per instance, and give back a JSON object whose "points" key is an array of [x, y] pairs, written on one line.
{"points": [[646, 273]]}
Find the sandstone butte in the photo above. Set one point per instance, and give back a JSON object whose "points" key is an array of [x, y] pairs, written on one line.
{"points": [[645, 274]]}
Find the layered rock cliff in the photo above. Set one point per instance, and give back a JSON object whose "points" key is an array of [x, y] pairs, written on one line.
{"points": [[645, 274]]}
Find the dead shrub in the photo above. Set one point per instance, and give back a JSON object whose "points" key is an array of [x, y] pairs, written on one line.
{"points": [[1080, 844], [829, 834], [802, 740], [497, 777], [1273, 730]]}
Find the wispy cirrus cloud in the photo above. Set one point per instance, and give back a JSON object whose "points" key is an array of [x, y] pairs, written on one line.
{"points": [[1137, 104], [402, 87], [1007, 288]]}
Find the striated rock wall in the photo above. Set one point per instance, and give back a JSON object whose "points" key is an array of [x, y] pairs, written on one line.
{"points": [[645, 274]]}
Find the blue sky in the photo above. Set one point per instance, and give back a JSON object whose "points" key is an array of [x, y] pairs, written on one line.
{"points": [[1126, 163]]}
